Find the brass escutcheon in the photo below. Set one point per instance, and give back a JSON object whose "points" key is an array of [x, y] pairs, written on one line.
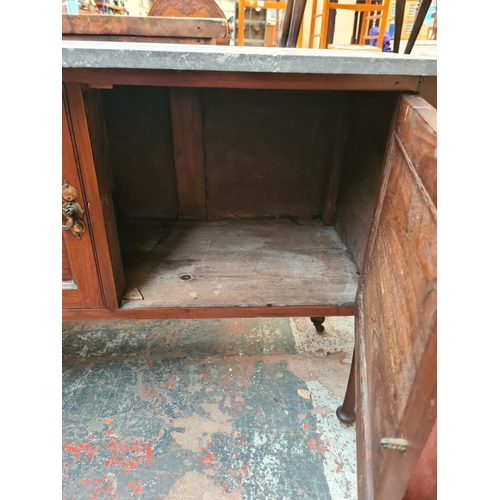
{"points": [[72, 210]]}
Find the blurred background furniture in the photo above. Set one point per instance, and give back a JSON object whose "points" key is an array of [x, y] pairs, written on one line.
{"points": [[321, 19], [200, 31], [417, 12], [200, 9], [254, 27]]}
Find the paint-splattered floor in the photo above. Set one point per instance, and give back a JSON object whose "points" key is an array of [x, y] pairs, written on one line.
{"points": [[207, 409]]}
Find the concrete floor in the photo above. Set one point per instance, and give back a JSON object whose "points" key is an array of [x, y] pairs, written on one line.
{"points": [[207, 409]]}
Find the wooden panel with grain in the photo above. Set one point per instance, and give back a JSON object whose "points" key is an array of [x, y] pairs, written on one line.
{"points": [[428, 90], [110, 260], [142, 159], [150, 27], [187, 135], [417, 125], [396, 322], [99, 204], [335, 159], [266, 152], [104, 78], [66, 268], [71, 294], [191, 8], [84, 288], [141, 39], [369, 123], [223, 264]]}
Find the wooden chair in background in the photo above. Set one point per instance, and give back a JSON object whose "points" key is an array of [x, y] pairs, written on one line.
{"points": [[373, 10], [255, 4]]}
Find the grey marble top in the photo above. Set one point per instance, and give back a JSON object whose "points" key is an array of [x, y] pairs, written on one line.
{"points": [[132, 55]]}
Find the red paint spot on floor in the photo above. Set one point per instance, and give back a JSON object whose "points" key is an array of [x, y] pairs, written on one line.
{"points": [[135, 488], [149, 391], [170, 382], [109, 463], [120, 455], [316, 445], [77, 449], [149, 454], [208, 459], [306, 426]]}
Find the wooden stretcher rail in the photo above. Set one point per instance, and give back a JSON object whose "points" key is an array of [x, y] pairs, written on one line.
{"points": [[106, 78], [209, 313]]}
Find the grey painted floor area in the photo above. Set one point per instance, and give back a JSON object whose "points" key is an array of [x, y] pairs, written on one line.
{"points": [[207, 409]]}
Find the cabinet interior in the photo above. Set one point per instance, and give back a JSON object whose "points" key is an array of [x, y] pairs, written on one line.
{"points": [[241, 197]]}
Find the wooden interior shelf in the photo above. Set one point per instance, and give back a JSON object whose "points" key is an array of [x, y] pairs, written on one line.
{"points": [[242, 263]]}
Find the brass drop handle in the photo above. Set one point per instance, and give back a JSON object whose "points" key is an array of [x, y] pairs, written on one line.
{"points": [[71, 214], [72, 210]]}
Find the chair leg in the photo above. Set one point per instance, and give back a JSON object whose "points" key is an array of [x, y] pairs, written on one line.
{"points": [[330, 24], [299, 7], [398, 23], [285, 25], [318, 323], [346, 413], [417, 24]]}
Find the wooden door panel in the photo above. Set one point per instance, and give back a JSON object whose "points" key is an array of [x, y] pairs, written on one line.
{"points": [[90, 141], [71, 295], [83, 289], [396, 309], [66, 268]]}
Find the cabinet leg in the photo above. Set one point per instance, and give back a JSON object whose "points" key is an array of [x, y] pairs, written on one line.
{"points": [[318, 323], [346, 413]]}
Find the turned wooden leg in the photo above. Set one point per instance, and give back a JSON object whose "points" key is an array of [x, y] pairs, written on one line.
{"points": [[346, 413], [318, 323]]}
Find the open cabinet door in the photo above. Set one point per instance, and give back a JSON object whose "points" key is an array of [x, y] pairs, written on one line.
{"points": [[396, 318], [80, 281], [92, 270]]}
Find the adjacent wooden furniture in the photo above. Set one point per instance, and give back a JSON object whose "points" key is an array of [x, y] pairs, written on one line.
{"points": [[200, 31], [190, 193], [195, 9], [187, 8]]}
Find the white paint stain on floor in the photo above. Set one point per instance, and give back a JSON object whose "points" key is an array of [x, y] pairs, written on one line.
{"points": [[339, 440], [337, 337]]}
